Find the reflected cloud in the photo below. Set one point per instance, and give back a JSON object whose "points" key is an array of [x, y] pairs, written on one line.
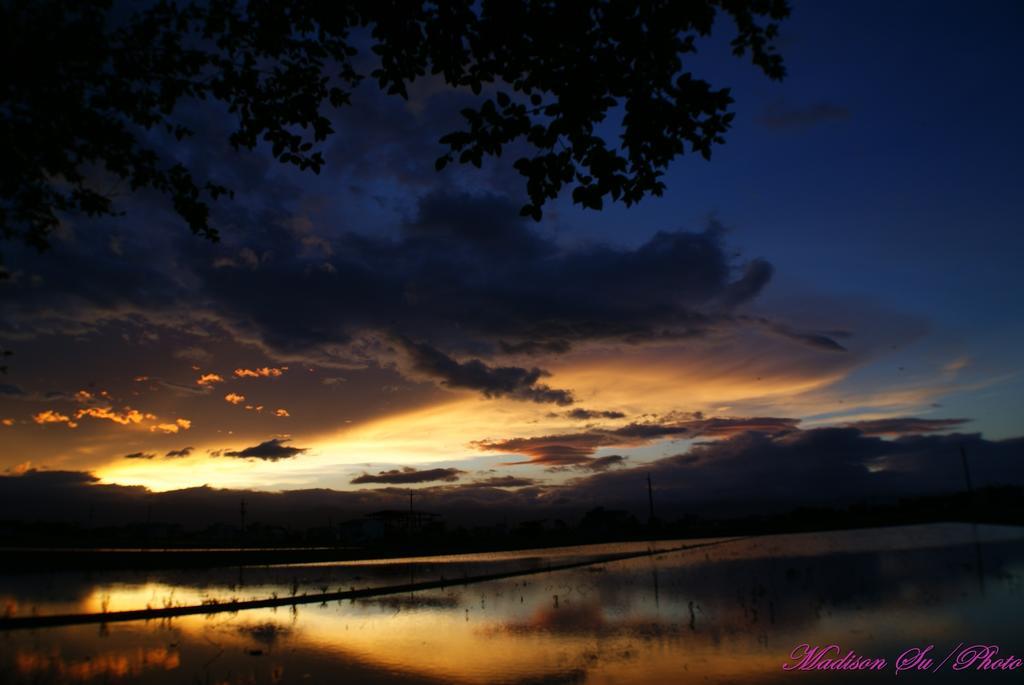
{"points": [[105, 665]]}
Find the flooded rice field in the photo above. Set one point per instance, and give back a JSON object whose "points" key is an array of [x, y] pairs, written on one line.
{"points": [[734, 610]]}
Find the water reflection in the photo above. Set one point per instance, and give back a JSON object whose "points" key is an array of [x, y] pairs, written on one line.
{"points": [[727, 613], [107, 591]]}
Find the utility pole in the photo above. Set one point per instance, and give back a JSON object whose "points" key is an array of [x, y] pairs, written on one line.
{"points": [[967, 470], [978, 560], [650, 501]]}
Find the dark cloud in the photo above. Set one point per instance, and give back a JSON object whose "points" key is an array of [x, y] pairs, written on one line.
{"points": [[746, 473], [592, 465], [755, 277], [51, 479], [580, 414], [182, 388], [194, 354], [409, 475], [780, 114], [578, 448], [534, 347], [140, 455], [504, 381], [505, 482], [815, 339], [823, 466], [465, 274], [605, 463], [397, 140], [812, 339], [701, 426], [905, 425], [570, 448], [477, 222], [183, 452], [269, 450], [12, 390]]}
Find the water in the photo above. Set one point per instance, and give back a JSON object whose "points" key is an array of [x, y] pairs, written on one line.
{"points": [[729, 612]]}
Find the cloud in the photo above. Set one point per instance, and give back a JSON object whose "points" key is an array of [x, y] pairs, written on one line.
{"points": [[780, 114], [183, 452], [535, 347], [140, 455], [822, 466], [591, 465], [570, 448], [209, 379], [605, 463], [126, 418], [263, 372], [11, 390], [905, 425], [464, 275], [281, 412], [193, 354], [51, 416], [178, 425], [580, 414], [55, 479], [506, 482], [484, 223], [819, 340], [505, 381], [234, 398], [410, 475], [742, 474], [269, 450], [756, 276], [579, 448], [177, 388]]}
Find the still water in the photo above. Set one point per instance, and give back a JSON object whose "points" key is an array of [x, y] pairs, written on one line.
{"points": [[728, 612]]}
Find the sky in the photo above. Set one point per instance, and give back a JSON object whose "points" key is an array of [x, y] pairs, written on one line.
{"points": [[829, 307]]}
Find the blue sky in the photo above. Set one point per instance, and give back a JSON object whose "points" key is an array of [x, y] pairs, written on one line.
{"points": [[898, 179]]}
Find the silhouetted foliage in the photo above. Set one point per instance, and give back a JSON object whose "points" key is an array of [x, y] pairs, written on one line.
{"points": [[89, 83]]}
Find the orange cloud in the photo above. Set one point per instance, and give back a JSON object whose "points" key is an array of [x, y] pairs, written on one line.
{"points": [[281, 412], [128, 417], [7, 422], [264, 372], [234, 398], [51, 416], [210, 379], [178, 425]]}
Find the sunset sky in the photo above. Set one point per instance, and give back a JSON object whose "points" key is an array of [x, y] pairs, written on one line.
{"points": [[850, 260]]}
